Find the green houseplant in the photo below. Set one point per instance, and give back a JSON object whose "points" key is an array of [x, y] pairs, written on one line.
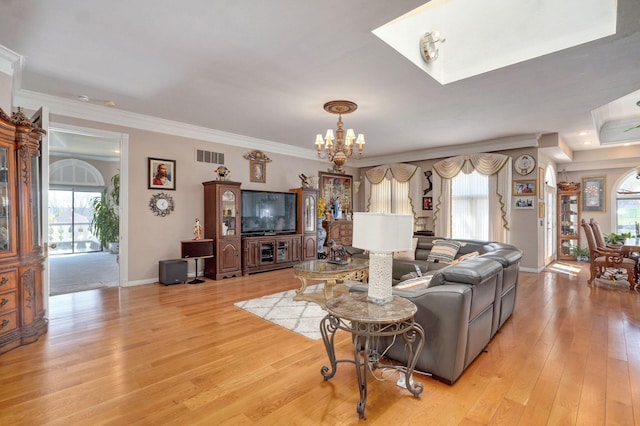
{"points": [[582, 254], [105, 224], [614, 238]]}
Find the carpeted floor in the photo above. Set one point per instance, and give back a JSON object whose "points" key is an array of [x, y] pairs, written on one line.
{"points": [[70, 273], [280, 308]]}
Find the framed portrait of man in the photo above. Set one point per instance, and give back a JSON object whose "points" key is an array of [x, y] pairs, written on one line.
{"points": [[162, 174]]}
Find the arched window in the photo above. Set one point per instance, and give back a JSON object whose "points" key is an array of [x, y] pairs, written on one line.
{"points": [[73, 172], [628, 203]]}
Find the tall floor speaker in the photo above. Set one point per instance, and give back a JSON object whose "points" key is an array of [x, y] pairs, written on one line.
{"points": [[172, 271]]}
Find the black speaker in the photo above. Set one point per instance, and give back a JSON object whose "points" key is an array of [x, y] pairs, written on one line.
{"points": [[172, 271]]}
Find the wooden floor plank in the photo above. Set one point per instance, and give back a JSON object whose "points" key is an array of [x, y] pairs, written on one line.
{"points": [[183, 354]]}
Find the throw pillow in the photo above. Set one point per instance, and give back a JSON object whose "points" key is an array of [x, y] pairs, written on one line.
{"points": [[444, 251], [409, 254]]}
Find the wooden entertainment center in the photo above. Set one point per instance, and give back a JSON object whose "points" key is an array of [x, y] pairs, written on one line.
{"points": [[269, 252], [235, 254]]}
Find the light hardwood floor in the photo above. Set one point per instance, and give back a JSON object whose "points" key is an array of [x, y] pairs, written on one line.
{"points": [[570, 355]]}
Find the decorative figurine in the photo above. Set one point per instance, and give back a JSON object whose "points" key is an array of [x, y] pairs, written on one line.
{"points": [[306, 181], [223, 173], [197, 230]]}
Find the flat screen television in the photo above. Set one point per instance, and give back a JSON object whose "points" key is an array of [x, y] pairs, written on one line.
{"points": [[269, 213]]}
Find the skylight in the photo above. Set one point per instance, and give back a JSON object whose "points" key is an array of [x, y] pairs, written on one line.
{"points": [[484, 36]]}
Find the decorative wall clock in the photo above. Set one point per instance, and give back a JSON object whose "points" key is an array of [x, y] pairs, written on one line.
{"points": [[161, 204], [524, 164]]}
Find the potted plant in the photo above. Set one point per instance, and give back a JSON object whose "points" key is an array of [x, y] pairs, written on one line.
{"points": [[582, 254], [105, 224], [614, 238]]}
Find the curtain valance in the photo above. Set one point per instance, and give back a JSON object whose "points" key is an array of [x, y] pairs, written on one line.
{"points": [[484, 163], [399, 171]]}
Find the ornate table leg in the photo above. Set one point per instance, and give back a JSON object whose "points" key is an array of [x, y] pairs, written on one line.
{"points": [[414, 332], [303, 285], [328, 288], [328, 328], [362, 365]]}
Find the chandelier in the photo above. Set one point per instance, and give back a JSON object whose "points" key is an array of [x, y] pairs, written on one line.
{"points": [[337, 152]]}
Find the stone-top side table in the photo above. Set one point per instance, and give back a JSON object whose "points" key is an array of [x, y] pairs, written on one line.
{"points": [[367, 321]]}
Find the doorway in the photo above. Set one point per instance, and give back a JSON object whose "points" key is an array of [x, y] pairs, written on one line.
{"points": [[80, 164], [550, 219]]}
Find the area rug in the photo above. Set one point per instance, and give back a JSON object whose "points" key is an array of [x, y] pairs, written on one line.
{"points": [[280, 308]]}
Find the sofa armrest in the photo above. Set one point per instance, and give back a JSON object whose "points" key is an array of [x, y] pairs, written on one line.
{"points": [[472, 271]]}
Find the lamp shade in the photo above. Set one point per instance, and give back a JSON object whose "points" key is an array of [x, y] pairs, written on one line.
{"points": [[382, 232]]}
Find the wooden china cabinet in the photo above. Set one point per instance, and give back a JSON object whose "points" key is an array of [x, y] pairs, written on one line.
{"points": [[222, 215], [307, 221], [568, 221], [22, 315]]}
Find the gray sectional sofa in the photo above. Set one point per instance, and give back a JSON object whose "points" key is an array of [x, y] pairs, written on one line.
{"points": [[461, 308]]}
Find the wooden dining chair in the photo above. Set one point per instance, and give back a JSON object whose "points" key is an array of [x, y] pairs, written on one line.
{"points": [[600, 260], [597, 233], [603, 245]]}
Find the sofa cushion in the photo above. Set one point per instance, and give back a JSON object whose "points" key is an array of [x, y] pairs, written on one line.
{"points": [[415, 283], [444, 251], [465, 257]]}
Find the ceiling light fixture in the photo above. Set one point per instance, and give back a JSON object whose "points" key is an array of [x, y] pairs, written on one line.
{"points": [[342, 149], [428, 48]]}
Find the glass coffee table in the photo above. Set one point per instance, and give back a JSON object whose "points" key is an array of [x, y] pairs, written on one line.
{"points": [[331, 273]]}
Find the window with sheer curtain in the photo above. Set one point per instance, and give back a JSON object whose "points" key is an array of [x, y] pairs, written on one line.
{"points": [[470, 206], [390, 196], [393, 188], [475, 174]]}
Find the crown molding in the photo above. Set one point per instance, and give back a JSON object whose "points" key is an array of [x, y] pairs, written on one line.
{"points": [[501, 144], [11, 64], [8, 61], [71, 108]]}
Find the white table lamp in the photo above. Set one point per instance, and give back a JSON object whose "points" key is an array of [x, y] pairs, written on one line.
{"points": [[382, 234]]}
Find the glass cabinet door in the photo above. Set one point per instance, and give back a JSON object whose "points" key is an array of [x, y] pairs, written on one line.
{"points": [[5, 207], [310, 213], [228, 213]]}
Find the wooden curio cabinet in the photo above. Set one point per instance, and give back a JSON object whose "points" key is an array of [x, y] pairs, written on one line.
{"points": [[568, 222], [222, 215], [22, 315], [307, 222]]}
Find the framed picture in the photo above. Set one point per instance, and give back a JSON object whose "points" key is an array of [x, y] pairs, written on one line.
{"points": [[593, 193], [337, 187], [427, 203], [524, 187], [257, 171], [524, 202], [162, 174]]}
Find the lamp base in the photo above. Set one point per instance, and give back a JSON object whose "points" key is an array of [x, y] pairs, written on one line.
{"points": [[380, 277]]}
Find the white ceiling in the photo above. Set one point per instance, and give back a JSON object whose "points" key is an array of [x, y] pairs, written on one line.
{"points": [[265, 69]]}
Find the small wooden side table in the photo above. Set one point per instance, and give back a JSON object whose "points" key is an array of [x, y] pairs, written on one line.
{"points": [[197, 249], [367, 321]]}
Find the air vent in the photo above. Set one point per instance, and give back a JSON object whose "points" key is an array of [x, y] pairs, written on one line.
{"points": [[203, 156]]}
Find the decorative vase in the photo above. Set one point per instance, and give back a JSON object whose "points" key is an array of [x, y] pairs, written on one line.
{"points": [[322, 235]]}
